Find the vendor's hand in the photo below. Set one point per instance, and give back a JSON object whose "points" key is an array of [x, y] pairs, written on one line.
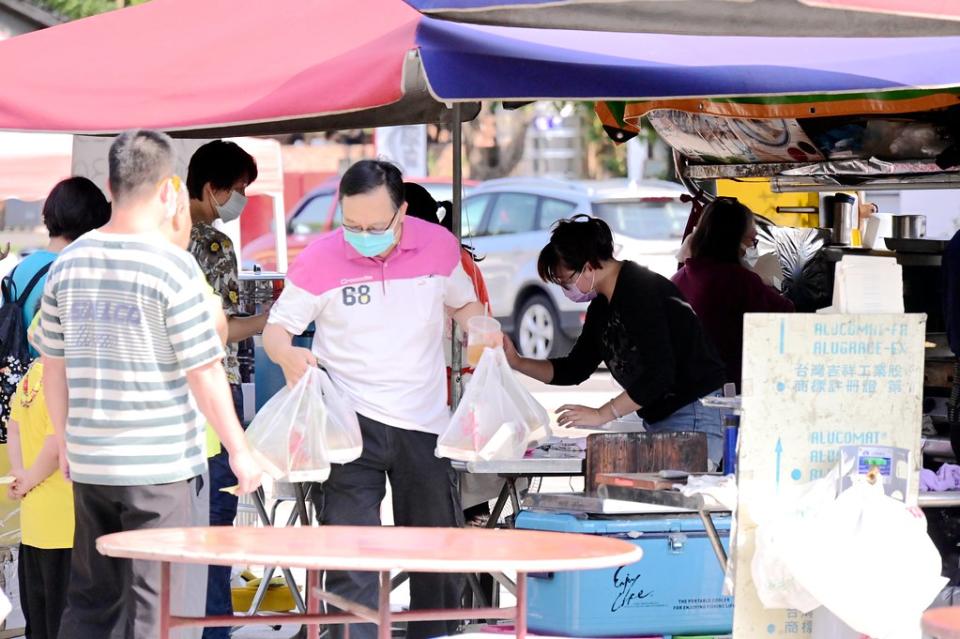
{"points": [[513, 357], [295, 363], [12, 493], [576, 416], [247, 470]]}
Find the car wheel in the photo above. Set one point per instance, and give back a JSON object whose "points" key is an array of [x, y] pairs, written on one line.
{"points": [[538, 333]]}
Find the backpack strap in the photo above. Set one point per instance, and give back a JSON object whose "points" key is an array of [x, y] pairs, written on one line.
{"points": [[22, 298]]}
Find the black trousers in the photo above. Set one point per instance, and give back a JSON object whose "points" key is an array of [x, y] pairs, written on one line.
{"points": [[44, 575], [425, 493], [113, 598]]}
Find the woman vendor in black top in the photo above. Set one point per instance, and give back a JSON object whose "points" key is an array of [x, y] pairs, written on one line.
{"points": [[639, 324]]}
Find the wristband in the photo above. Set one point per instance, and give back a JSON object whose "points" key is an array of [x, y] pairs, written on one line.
{"points": [[613, 409]]}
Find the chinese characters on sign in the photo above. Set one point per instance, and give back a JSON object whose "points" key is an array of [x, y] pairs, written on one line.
{"points": [[836, 362]]}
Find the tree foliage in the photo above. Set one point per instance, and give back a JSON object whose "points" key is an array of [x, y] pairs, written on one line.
{"points": [[75, 9]]}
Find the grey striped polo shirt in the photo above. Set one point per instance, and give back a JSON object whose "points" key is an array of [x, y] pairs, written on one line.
{"points": [[127, 313]]}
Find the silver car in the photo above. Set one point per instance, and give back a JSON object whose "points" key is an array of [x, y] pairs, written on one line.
{"points": [[508, 222]]}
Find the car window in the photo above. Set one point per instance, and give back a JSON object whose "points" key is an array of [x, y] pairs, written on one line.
{"points": [[513, 213], [315, 214], [659, 219], [552, 210], [473, 210]]}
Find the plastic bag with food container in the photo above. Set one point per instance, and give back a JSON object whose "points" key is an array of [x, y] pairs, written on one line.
{"points": [[497, 417], [301, 430]]}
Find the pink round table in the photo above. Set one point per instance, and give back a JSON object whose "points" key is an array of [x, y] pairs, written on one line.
{"points": [[942, 623], [373, 549]]}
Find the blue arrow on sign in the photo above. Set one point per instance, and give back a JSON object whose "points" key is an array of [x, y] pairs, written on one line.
{"points": [[779, 451]]}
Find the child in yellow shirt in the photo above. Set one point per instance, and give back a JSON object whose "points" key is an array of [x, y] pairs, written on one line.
{"points": [[46, 509]]}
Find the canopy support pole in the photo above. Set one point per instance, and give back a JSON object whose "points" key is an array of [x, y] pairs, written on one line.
{"points": [[456, 359]]}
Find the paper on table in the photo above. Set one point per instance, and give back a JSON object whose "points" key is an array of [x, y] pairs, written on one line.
{"points": [[868, 284]]}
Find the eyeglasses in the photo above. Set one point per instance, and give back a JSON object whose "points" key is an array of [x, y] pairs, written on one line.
{"points": [[373, 230], [572, 281]]}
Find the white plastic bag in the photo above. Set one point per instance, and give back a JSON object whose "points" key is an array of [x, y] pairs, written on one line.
{"points": [[864, 556], [341, 433], [868, 559], [302, 430], [780, 521], [497, 417]]}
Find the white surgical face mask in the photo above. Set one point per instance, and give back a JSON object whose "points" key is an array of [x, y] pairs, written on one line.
{"points": [[232, 208], [751, 256]]}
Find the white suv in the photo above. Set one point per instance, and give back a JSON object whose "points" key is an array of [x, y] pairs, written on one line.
{"points": [[508, 222]]}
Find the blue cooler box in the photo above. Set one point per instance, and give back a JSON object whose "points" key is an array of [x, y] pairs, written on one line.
{"points": [[676, 589]]}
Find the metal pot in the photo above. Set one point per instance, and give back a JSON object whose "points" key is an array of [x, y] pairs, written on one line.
{"points": [[909, 227]]}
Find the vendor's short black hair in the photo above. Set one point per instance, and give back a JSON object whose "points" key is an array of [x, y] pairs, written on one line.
{"points": [[574, 243], [220, 163], [368, 175], [719, 234], [73, 207]]}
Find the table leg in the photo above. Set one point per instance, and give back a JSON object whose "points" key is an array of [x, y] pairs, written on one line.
{"points": [[292, 585], [261, 591], [260, 502], [384, 629], [268, 575], [301, 496], [514, 496], [165, 600], [714, 537], [499, 506], [521, 623], [476, 590], [313, 602]]}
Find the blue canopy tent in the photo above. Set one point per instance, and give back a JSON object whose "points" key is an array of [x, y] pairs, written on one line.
{"points": [[886, 18]]}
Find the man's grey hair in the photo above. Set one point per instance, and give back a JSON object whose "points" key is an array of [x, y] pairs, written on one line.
{"points": [[139, 160]]}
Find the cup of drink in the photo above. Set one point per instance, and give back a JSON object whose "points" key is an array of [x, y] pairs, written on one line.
{"points": [[482, 332]]}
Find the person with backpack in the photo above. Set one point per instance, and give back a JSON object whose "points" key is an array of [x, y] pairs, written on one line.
{"points": [[73, 207], [46, 507]]}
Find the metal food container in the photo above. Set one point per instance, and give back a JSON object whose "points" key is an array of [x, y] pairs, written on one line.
{"points": [[258, 288], [909, 227], [845, 218]]}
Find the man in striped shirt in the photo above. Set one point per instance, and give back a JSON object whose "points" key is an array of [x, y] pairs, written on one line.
{"points": [[130, 351]]}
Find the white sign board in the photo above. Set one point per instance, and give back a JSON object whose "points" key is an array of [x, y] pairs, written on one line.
{"points": [[90, 157], [405, 146], [813, 383], [90, 160]]}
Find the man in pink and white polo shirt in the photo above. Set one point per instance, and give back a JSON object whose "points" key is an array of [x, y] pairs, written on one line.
{"points": [[378, 290]]}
